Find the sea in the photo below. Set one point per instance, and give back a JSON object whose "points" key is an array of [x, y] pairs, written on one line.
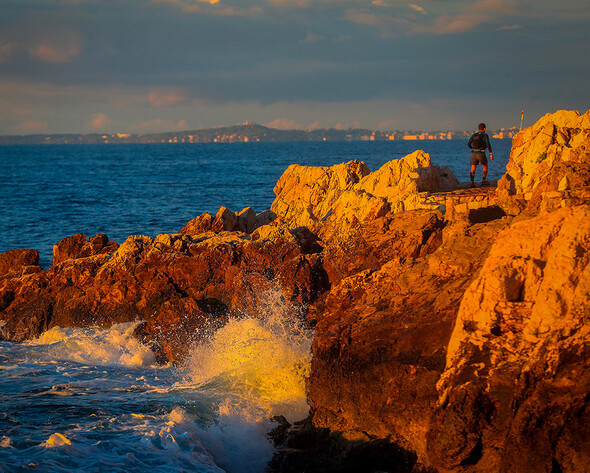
{"points": [[94, 399]]}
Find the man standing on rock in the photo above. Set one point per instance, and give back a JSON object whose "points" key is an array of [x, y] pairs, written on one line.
{"points": [[478, 143]]}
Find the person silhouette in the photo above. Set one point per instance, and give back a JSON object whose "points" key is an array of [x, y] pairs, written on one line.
{"points": [[478, 143]]}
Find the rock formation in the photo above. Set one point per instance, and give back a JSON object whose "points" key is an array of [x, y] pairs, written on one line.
{"points": [[471, 351], [308, 196], [451, 324], [518, 355], [549, 164], [17, 261], [174, 283]]}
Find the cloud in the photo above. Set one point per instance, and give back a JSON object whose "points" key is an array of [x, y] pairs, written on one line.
{"points": [[418, 8], [291, 3], [502, 7], [285, 124], [312, 38], [6, 50], [452, 24], [455, 18], [364, 18], [387, 25], [100, 122], [510, 27], [56, 51], [165, 99], [160, 125], [210, 7]]}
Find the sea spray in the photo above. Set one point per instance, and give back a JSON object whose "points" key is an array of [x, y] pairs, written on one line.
{"points": [[260, 364], [94, 345], [93, 399], [261, 361]]}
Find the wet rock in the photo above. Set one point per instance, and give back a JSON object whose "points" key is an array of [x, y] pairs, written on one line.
{"points": [[177, 284]]}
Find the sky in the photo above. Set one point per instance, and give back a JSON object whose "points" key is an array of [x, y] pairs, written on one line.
{"points": [[142, 66]]}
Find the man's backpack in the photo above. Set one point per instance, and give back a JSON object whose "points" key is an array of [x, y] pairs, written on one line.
{"points": [[478, 141]]}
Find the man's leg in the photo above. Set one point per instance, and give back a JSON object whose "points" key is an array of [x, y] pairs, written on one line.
{"points": [[472, 173], [484, 174]]}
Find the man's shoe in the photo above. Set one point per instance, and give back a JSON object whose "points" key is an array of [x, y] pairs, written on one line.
{"points": [[485, 183], [472, 185]]}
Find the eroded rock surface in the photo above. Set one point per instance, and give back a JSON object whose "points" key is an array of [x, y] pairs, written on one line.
{"points": [[517, 376], [549, 164]]}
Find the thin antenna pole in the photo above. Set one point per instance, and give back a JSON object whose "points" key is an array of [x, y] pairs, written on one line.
{"points": [[521, 118]]}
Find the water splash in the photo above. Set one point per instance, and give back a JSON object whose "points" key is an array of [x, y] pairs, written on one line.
{"points": [[96, 346], [260, 362], [92, 399]]}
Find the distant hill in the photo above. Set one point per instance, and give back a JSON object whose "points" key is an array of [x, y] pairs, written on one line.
{"points": [[248, 132]]}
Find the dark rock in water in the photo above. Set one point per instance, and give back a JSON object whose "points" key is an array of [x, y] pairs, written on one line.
{"points": [[181, 286], [279, 434], [314, 450]]}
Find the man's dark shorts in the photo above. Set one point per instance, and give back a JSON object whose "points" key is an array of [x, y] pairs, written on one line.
{"points": [[478, 158]]}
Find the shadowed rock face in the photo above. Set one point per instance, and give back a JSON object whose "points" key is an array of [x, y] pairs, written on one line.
{"points": [[451, 326]]}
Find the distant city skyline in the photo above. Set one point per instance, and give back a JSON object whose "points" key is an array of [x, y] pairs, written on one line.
{"points": [[146, 66], [249, 132]]}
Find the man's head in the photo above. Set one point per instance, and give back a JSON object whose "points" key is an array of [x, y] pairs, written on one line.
{"points": [[481, 126]]}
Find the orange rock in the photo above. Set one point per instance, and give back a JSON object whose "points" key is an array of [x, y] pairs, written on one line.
{"points": [[78, 246], [547, 162], [14, 261]]}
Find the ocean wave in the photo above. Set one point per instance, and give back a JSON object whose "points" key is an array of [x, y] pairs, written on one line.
{"points": [[94, 345], [261, 362]]}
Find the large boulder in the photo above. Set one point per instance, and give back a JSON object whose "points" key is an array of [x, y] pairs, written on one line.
{"points": [[549, 164], [401, 181], [514, 394], [305, 194], [343, 196], [16, 261], [225, 220], [79, 246]]}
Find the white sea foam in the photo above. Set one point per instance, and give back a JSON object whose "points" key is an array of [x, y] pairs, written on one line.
{"points": [[95, 346], [112, 410], [259, 364]]}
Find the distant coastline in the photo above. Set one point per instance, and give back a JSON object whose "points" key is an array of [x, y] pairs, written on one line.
{"points": [[247, 132]]}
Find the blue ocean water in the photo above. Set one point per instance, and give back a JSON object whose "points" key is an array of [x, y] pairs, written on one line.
{"points": [[93, 400], [53, 191]]}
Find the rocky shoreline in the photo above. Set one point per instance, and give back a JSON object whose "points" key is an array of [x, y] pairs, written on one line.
{"points": [[451, 324]]}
